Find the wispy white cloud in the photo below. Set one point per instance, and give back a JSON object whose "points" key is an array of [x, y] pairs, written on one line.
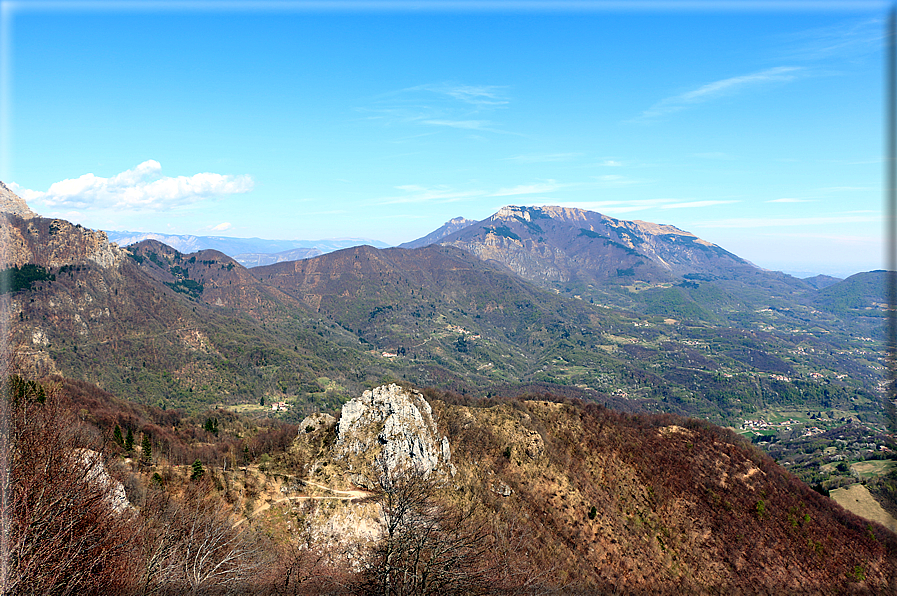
{"points": [[768, 222], [528, 189], [790, 200], [226, 225], [846, 40], [615, 179], [718, 89], [621, 207], [422, 194], [845, 188], [142, 188], [691, 204], [610, 180], [611, 163], [451, 105], [475, 95], [617, 207], [467, 124], [715, 155], [543, 157]]}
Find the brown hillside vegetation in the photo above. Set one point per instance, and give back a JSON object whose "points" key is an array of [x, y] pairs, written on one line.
{"points": [[550, 496], [680, 506]]}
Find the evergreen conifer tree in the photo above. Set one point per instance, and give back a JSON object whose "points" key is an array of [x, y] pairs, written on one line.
{"points": [[147, 449], [129, 441], [198, 471], [116, 436]]}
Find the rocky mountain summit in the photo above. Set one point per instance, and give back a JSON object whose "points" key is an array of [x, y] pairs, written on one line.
{"points": [[551, 244], [449, 227]]}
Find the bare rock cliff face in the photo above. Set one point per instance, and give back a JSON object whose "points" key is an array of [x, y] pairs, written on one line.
{"points": [[10, 202], [392, 425]]}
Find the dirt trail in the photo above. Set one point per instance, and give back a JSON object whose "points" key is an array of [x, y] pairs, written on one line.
{"points": [[857, 499], [343, 495], [351, 494]]}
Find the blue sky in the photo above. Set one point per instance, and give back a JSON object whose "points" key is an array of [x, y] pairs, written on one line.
{"points": [[755, 126]]}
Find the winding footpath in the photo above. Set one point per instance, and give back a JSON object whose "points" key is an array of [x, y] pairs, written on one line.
{"points": [[340, 495]]}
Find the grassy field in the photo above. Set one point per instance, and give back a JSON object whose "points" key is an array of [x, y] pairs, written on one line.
{"points": [[857, 499], [253, 408], [872, 468]]}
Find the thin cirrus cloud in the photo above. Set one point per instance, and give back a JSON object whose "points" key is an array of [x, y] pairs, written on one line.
{"points": [[414, 193], [465, 124], [528, 189], [543, 157], [222, 227], [718, 89], [789, 200], [614, 180], [481, 96], [619, 207], [421, 194], [445, 105], [692, 204], [847, 40], [767, 222], [140, 188]]}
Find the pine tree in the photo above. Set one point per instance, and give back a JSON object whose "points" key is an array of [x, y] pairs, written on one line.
{"points": [[129, 441], [211, 426], [147, 449], [197, 470], [116, 436]]}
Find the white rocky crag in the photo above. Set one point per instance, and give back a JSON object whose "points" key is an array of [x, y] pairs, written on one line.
{"points": [[394, 426], [96, 473]]}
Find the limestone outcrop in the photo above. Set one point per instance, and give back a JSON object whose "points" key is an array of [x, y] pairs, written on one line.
{"points": [[394, 426], [96, 473]]}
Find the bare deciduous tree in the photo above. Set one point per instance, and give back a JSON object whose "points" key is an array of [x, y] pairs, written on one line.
{"points": [[193, 546], [427, 547]]}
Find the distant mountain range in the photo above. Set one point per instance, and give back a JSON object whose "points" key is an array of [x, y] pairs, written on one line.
{"points": [[249, 252]]}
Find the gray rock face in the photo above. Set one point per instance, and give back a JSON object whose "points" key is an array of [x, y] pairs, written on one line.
{"points": [[392, 425]]}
